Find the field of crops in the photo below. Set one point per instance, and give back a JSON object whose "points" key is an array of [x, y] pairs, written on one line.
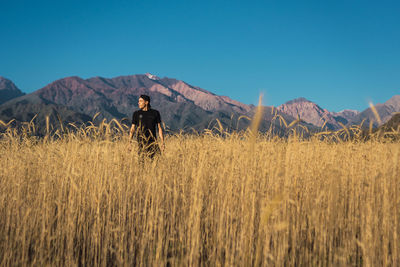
{"points": [[233, 199]]}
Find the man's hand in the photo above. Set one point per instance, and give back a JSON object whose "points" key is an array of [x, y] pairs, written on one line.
{"points": [[160, 133], [162, 146], [130, 144]]}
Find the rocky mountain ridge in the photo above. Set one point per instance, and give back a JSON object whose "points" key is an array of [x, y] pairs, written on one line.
{"points": [[312, 113]]}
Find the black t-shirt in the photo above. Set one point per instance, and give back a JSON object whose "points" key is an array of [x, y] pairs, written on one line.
{"points": [[146, 122]]}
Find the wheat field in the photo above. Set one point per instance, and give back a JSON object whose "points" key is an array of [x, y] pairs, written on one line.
{"points": [[85, 199]]}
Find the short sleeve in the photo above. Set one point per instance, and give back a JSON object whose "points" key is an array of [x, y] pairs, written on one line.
{"points": [[158, 117], [135, 118]]}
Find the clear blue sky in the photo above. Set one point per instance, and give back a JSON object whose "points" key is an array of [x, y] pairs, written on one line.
{"points": [[340, 54]]}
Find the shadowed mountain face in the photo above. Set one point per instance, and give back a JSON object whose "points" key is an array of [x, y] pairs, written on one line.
{"points": [[28, 107], [385, 111], [389, 129], [393, 124], [8, 90]]}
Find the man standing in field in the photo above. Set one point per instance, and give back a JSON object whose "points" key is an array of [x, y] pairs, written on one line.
{"points": [[144, 122]]}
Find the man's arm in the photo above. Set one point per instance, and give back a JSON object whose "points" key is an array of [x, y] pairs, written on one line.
{"points": [[132, 132], [161, 135]]}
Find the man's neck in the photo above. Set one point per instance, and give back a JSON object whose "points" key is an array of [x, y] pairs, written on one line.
{"points": [[146, 108]]}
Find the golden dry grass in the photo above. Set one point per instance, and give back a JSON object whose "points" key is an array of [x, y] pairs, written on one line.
{"points": [[237, 200]]}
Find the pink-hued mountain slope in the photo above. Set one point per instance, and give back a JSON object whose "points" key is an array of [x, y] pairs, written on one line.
{"points": [[314, 114]]}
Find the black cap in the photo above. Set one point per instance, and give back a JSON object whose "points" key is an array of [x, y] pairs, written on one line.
{"points": [[145, 98]]}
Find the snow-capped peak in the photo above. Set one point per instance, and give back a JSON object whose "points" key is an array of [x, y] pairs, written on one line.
{"points": [[152, 77]]}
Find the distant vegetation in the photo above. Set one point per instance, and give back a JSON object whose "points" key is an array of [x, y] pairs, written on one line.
{"points": [[81, 197]]}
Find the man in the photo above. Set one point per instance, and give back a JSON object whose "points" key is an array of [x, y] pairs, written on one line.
{"points": [[146, 120]]}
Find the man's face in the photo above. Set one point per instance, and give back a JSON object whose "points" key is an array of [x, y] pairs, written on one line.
{"points": [[142, 103]]}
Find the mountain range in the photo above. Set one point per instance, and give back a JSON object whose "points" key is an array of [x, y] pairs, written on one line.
{"points": [[73, 99], [312, 113], [183, 106]]}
